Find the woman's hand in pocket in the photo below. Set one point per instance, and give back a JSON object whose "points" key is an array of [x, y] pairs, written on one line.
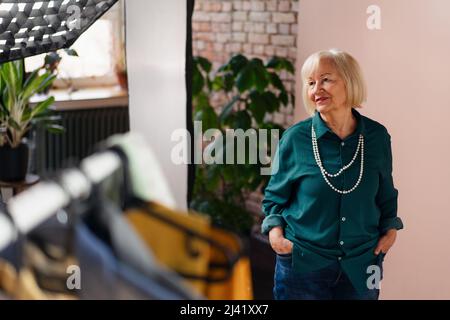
{"points": [[278, 242], [386, 242]]}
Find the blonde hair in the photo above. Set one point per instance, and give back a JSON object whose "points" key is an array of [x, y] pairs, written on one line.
{"points": [[347, 68]]}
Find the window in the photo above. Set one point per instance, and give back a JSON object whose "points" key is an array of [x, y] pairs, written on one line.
{"points": [[101, 54]]}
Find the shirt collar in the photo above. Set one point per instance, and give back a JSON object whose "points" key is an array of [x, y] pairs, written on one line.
{"points": [[321, 127]]}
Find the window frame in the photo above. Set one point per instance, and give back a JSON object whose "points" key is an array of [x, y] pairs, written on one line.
{"points": [[116, 16]]}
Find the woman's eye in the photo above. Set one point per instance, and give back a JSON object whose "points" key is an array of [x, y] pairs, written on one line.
{"points": [[310, 83]]}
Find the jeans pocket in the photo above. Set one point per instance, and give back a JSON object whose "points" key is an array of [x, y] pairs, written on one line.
{"points": [[284, 255], [284, 260]]}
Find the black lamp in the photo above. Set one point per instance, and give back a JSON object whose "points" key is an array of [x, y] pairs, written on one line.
{"points": [[29, 27]]}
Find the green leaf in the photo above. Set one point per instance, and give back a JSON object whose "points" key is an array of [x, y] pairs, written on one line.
{"points": [[208, 117], [42, 106], [228, 173], [283, 97], [227, 109], [265, 102], [257, 106], [55, 129], [197, 81], [3, 110], [47, 117], [271, 126], [237, 63], [36, 85], [260, 75], [8, 99], [9, 74], [223, 82], [274, 63], [253, 75], [257, 111], [30, 78], [12, 123], [276, 81], [71, 52], [218, 83], [201, 101], [204, 63], [52, 58], [212, 176], [229, 121], [242, 120], [19, 66], [208, 83], [244, 80], [272, 102], [2, 86], [46, 83], [224, 67], [278, 64], [228, 81]]}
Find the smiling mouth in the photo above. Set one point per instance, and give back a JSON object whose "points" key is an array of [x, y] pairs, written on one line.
{"points": [[321, 99]]}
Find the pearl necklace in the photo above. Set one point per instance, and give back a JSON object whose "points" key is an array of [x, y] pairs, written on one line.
{"points": [[325, 173]]}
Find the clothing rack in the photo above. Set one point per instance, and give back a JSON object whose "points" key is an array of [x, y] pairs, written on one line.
{"points": [[37, 204]]}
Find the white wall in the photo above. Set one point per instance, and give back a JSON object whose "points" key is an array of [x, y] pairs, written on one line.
{"points": [[156, 40]]}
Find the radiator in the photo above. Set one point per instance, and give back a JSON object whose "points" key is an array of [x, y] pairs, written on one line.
{"points": [[84, 129]]}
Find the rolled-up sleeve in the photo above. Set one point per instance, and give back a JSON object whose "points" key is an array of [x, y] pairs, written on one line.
{"points": [[387, 196], [279, 189]]}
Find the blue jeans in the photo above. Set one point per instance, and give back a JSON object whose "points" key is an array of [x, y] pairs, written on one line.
{"points": [[329, 283]]}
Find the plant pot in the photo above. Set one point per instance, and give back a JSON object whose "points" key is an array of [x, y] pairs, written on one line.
{"points": [[122, 78], [262, 261], [13, 163]]}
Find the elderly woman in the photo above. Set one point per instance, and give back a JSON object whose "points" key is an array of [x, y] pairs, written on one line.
{"points": [[331, 207]]}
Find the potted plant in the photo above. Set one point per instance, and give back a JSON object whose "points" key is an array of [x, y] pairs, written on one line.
{"points": [[17, 115], [51, 64], [252, 91]]}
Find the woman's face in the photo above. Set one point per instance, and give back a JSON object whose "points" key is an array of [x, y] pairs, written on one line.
{"points": [[326, 89]]}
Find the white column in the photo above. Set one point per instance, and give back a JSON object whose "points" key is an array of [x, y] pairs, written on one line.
{"points": [[156, 41]]}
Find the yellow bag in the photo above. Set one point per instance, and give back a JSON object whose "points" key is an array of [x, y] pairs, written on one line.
{"points": [[210, 259]]}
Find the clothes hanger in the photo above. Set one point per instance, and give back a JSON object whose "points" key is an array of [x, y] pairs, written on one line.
{"points": [[49, 246], [129, 201], [107, 222]]}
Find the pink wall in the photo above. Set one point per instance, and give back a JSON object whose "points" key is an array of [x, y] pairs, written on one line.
{"points": [[407, 68]]}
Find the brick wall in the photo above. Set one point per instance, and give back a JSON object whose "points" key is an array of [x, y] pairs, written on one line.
{"points": [[256, 28]]}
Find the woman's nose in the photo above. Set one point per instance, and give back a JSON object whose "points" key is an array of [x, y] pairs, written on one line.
{"points": [[317, 88]]}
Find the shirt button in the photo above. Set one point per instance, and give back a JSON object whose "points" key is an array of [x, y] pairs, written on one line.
{"points": [[341, 243], [343, 219], [342, 143]]}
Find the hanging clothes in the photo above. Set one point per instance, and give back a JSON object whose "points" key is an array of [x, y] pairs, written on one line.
{"points": [[148, 181], [24, 268], [239, 284], [174, 248], [34, 265], [116, 264], [22, 285], [216, 271]]}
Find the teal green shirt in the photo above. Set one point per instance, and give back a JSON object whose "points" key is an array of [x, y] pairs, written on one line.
{"points": [[326, 226]]}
